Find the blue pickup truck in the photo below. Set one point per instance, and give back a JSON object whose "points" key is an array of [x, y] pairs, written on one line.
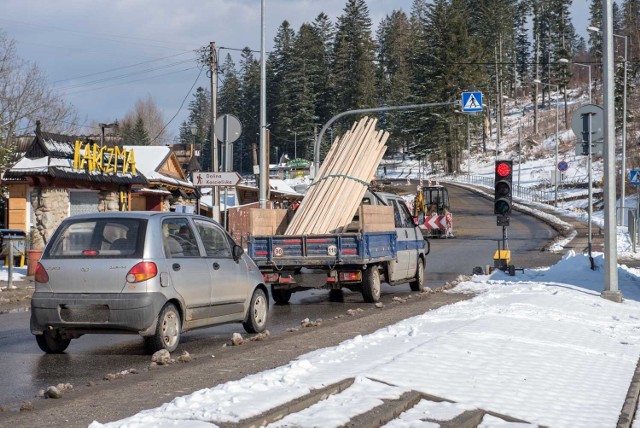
{"points": [[355, 260]]}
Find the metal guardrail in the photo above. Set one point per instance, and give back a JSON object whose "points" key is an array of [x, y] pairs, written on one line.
{"points": [[527, 193]]}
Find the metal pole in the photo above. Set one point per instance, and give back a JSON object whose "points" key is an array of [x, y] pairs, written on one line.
{"points": [[468, 147], [213, 64], [555, 170], [590, 208], [10, 273], [611, 291], [264, 166], [295, 145], [519, 152], [623, 172], [226, 166], [589, 84]]}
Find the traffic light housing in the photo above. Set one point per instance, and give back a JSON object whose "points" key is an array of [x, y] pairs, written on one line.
{"points": [[503, 187]]}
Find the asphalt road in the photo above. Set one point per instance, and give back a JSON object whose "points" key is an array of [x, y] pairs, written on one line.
{"points": [[25, 369]]}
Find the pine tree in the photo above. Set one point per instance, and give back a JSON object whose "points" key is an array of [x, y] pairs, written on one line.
{"points": [[324, 85], [279, 93], [522, 43], [354, 56], [229, 103], [631, 29], [136, 135], [250, 102], [308, 74], [394, 79], [200, 116]]}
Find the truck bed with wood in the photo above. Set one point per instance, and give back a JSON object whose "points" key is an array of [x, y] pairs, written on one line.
{"points": [[382, 241]]}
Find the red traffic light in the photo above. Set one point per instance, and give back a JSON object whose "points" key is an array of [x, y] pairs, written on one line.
{"points": [[503, 169]]}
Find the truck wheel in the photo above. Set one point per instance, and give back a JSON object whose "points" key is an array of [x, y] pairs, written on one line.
{"points": [[51, 342], [167, 335], [256, 320], [418, 284], [281, 297], [336, 295], [371, 284]]}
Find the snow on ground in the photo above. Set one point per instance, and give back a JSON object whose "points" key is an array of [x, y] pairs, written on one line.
{"points": [[18, 274], [542, 346]]}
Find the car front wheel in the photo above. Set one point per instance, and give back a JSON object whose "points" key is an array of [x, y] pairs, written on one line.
{"points": [[418, 283], [256, 319]]}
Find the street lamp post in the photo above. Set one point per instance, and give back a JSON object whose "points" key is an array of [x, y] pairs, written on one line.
{"points": [[589, 167], [551, 85], [102, 127], [295, 144], [623, 172], [566, 61]]}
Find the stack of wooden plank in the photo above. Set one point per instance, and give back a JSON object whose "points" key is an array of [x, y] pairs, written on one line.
{"points": [[337, 190]]}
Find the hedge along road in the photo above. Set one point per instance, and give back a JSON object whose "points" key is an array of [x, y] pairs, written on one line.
{"points": [[88, 359]]}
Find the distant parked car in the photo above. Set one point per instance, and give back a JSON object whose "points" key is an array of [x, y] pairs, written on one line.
{"points": [[151, 273]]}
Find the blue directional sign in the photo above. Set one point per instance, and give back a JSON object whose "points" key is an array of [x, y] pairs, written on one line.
{"points": [[471, 102], [634, 177]]}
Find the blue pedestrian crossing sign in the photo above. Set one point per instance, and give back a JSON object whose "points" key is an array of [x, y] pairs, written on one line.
{"points": [[634, 176], [471, 102]]}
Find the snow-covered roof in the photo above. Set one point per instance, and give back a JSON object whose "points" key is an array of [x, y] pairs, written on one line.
{"points": [[149, 160], [281, 186]]}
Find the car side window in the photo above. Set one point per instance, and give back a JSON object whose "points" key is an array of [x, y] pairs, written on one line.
{"points": [[179, 239], [397, 217], [401, 214], [407, 220], [214, 239]]}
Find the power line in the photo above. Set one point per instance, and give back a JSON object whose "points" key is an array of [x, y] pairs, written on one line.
{"points": [[129, 81], [119, 68], [122, 76], [181, 105]]}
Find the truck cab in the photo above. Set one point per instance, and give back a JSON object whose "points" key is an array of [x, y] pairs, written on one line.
{"points": [[408, 234]]}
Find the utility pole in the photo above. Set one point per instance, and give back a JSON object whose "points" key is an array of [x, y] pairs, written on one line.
{"points": [[213, 71], [535, 93], [264, 155], [611, 291]]}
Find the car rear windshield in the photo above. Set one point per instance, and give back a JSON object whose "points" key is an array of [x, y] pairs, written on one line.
{"points": [[100, 238]]}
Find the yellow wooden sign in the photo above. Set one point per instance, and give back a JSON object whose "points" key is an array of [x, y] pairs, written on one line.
{"points": [[103, 159]]}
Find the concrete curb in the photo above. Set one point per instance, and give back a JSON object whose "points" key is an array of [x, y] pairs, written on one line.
{"points": [[294, 406], [628, 411]]}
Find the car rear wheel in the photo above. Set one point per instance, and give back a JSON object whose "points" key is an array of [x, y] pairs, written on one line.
{"points": [[167, 335], [371, 284], [51, 342], [256, 319], [418, 283], [281, 297]]}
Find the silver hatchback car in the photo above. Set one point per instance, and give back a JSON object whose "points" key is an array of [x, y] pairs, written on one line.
{"points": [[156, 274]]}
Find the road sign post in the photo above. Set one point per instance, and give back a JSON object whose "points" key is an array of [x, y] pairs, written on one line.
{"points": [[213, 179], [471, 102]]}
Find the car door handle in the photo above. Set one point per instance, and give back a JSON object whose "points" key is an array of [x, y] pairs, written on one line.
{"points": [[176, 267], [216, 266]]}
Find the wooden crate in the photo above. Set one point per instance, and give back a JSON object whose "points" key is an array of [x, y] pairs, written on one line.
{"points": [[264, 221], [376, 218]]}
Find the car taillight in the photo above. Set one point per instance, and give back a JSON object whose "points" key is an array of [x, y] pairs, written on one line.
{"points": [[142, 271], [41, 274], [350, 276]]}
